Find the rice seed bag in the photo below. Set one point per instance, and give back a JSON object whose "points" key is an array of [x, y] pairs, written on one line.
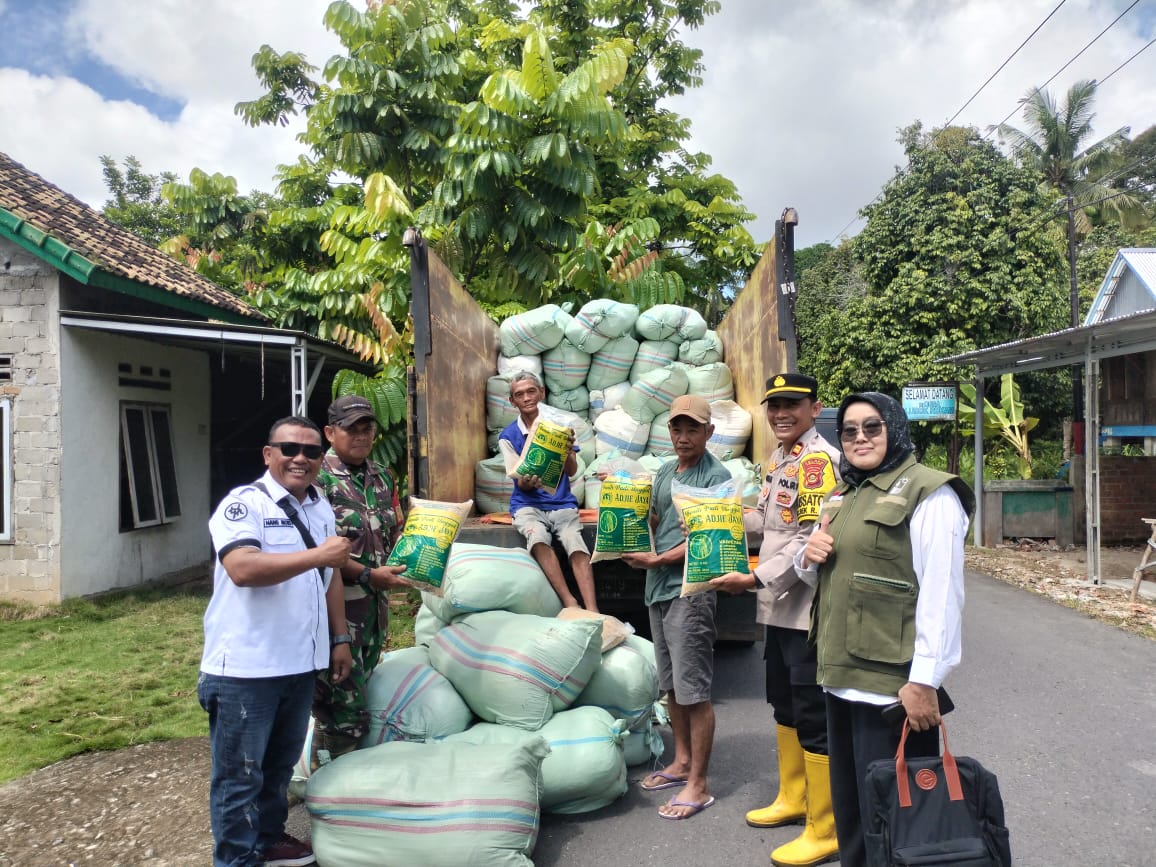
{"points": [[707, 349], [535, 331], [732, 429], [544, 454], [716, 541], [517, 669], [436, 805], [489, 578], [623, 517], [492, 486], [586, 767], [670, 322], [564, 367], [625, 685], [611, 364], [651, 355], [712, 381], [616, 431], [426, 624], [600, 321], [408, 700], [424, 546], [518, 363]]}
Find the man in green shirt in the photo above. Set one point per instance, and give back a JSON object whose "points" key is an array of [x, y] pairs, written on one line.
{"points": [[683, 628], [368, 512]]}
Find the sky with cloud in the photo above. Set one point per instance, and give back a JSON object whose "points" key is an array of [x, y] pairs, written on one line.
{"points": [[799, 106]]}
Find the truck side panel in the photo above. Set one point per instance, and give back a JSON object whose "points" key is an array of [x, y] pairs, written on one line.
{"points": [[447, 412], [749, 333]]}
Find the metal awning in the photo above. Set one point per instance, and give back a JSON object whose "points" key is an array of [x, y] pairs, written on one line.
{"points": [[1082, 344], [1122, 336], [299, 348]]}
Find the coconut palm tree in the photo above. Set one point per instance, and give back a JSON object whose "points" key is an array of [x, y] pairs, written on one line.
{"points": [[1052, 144]]}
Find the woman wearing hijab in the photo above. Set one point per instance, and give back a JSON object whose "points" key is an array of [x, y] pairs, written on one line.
{"points": [[887, 560]]}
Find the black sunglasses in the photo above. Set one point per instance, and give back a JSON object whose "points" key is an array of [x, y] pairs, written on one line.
{"points": [[292, 450], [871, 429]]}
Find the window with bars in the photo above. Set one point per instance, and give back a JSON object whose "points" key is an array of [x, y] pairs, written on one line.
{"points": [[148, 472]]}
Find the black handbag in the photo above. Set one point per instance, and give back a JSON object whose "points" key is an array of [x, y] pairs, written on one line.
{"points": [[936, 810]]}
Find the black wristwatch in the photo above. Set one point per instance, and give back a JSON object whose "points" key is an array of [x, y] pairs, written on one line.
{"points": [[344, 638], [363, 578]]}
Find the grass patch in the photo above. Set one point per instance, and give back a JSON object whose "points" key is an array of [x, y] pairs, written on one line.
{"points": [[107, 673]]}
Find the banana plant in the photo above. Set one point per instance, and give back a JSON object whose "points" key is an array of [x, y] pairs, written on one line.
{"points": [[1006, 421]]}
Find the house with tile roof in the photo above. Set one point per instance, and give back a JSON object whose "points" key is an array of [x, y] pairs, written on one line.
{"points": [[133, 394]]}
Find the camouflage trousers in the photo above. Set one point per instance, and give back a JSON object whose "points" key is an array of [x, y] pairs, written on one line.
{"points": [[341, 709]]}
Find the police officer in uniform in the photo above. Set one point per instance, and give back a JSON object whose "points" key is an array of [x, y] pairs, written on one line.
{"points": [[802, 471], [365, 502]]}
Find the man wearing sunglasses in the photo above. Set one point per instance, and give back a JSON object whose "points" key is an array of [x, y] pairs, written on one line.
{"points": [[275, 618], [365, 501], [801, 472]]}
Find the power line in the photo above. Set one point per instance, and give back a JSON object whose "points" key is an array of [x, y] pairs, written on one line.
{"points": [[1036, 90], [1126, 62], [1006, 62]]}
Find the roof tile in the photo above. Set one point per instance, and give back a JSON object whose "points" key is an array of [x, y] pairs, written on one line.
{"points": [[111, 248]]}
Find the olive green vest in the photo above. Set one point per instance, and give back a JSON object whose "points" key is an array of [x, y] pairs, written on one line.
{"points": [[863, 616]]}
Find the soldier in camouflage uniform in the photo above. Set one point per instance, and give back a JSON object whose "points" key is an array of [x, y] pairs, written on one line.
{"points": [[365, 501]]}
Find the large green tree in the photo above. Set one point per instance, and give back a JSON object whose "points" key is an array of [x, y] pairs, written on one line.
{"points": [[955, 255], [524, 143]]}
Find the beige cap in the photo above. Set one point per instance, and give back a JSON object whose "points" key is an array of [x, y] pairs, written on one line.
{"points": [[693, 405]]}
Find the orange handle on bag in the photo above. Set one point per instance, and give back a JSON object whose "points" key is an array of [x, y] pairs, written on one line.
{"points": [[950, 769]]}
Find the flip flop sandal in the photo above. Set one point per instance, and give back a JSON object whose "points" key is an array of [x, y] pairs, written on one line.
{"points": [[671, 782]]}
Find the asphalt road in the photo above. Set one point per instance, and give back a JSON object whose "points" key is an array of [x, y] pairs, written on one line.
{"points": [[1062, 708]]}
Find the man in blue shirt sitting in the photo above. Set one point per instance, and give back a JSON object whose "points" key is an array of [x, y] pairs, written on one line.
{"points": [[539, 515]]}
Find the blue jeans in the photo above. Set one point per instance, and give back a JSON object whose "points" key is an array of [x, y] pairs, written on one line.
{"points": [[256, 732]]}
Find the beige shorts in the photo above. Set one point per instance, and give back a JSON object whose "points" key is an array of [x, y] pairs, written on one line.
{"points": [[537, 527]]}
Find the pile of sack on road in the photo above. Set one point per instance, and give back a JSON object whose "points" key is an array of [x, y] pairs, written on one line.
{"points": [[507, 705], [610, 373]]}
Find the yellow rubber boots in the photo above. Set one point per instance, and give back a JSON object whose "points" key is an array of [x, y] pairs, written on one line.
{"points": [[817, 844], [791, 804]]}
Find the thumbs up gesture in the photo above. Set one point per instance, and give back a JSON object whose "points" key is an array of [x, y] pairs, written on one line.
{"points": [[820, 543]]}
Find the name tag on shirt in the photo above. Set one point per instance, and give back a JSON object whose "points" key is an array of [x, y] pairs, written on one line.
{"points": [[278, 522]]}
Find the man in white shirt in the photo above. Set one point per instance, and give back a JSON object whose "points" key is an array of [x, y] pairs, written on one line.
{"points": [[275, 619]]}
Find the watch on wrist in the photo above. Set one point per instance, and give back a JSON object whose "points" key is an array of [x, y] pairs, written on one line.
{"points": [[363, 577], [344, 638]]}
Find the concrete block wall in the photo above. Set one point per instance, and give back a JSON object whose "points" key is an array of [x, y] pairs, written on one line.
{"points": [[29, 333]]}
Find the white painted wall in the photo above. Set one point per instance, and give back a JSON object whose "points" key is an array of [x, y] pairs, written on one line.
{"points": [[95, 555]]}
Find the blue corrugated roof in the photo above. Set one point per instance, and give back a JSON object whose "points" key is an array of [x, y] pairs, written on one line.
{"points": [[1129, 286]]}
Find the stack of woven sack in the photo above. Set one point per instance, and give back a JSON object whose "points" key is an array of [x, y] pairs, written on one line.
{"points": [[611, 372], [507, 705]]}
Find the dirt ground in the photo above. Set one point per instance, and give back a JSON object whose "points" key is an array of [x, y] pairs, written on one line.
{"points": [[146, 805]]}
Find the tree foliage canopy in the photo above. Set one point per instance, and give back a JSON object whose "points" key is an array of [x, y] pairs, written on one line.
{"points": [[956, 254]]}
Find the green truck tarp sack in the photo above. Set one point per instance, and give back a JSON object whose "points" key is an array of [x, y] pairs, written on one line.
{"points": [[434, 805], [652, 355], [533, 332], [488, 578], [707, 349], [426, 624], [564, 367], [654, 393], [600, 321], [517, 669], [409, 701], [626, 684], [611, 364], [586, 768], [670, 322]]}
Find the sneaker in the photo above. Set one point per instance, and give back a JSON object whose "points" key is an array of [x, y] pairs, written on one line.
{"points": [[289, 852]]}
